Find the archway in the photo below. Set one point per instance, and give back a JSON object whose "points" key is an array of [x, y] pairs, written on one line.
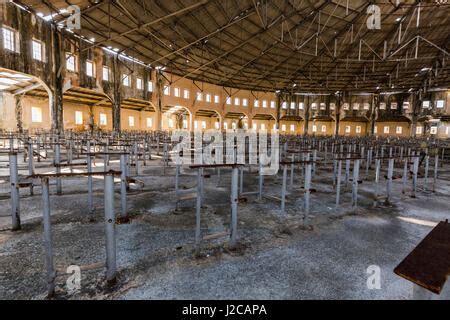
{"points": [[264, 122], [26, 102], [207, 119], [236, 120], [87, 110], [176, 118], [291, 125]]}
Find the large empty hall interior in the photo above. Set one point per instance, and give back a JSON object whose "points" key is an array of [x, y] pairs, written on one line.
{"points": [[224, 149]]}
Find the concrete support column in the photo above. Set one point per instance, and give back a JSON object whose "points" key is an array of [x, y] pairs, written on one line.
{"points": [[59, 64], [19, 112], [116, 96], [337, 117]]}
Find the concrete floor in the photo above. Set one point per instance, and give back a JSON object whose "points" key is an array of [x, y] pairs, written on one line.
{"points": [[322, 256]]}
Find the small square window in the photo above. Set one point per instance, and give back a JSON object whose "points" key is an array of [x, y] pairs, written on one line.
{"points": [[131, 121], [323, 106], [216, 99], [228, 100], [78, 118], [358, 129], [177, 92], [199, 96], [284, 105], [103, 119], [245, 102], [89, 68], [314, 128], [399, 130], [426, 104], [237, 101], [166, 90], [386, 130], [314, 106], [208, 98], [348, 129], [186, 94], [149, 122], [292, 128], [419, 130], [440, 104], [256, 103], [36, 115], [37, 50], [301, 106], [394, 106], [324, 129], [272, 104], [293, 105], [105, 73], [382, 106], [139, 84], [126, 80], [264, 104], [150, 86], [71, 62], [9, 42]]}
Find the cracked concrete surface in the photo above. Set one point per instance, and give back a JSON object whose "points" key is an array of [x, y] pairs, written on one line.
{"points": [[322, 256]]}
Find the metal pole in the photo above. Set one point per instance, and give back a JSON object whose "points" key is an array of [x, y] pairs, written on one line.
{"points": [[405, 175], [308, 174], [177, 179], [377, 179], [292, 172], [198, 212], [436, 168], [415, 171], [15, 192], [261, 181], [110, 223], [51, 273], [136, 157], [283, 190], [241, 180], [355, 184], [234, 205], [338, 183], [427, 168], [90, 185], [123, 185], [389, 182], [30, 164], [58, 168]]}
